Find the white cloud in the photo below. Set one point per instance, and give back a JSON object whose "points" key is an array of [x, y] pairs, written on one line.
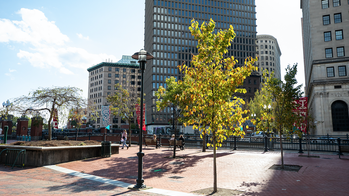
{"points": [[50, 47], [12, 70], [82, 37]]}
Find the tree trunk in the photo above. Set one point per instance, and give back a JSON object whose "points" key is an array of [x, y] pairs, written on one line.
{"points": [[282, 151], [214, 163]]}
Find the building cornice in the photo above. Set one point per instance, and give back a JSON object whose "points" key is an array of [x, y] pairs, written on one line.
{"points": [[109, 64], [331, 60]]}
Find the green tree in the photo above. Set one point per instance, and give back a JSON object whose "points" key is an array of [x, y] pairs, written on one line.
{"points": [[123, 104], [208, 87], [264, 117], [284, 106], [50, 99]]}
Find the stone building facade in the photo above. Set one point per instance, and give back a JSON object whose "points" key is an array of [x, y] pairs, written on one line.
{"points": [[269, 54], [325, 25], [102, 79]]}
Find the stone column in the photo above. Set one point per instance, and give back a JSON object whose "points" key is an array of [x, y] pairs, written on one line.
{"points": [[22, 126]]}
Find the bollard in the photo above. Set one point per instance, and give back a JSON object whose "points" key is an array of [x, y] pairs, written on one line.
{"points": [[29, 138], [265, 144], [339, 147], [5, 134], [160, 140], [234, 143], [300, 145]]}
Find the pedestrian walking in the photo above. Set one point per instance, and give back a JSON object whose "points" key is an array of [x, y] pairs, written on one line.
{"points": [[123, 139]]}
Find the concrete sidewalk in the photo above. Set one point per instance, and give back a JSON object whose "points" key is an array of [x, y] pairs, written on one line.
{"points": [[243, 170]]}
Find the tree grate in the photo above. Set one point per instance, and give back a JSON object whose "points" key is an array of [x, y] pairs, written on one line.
{"points": [[176, 177], [295, 168]]}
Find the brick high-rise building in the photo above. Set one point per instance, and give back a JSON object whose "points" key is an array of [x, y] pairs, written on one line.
{"points": [[325, 40], [168, 38], [102, 79]]}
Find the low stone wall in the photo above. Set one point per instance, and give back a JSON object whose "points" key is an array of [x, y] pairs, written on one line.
{"points": [[41, 156]]}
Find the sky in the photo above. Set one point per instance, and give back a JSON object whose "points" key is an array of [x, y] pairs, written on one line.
{"points": [[52, 43]]}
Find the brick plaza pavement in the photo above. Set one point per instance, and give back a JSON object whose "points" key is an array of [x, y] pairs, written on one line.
{"points": [[242, 170]]}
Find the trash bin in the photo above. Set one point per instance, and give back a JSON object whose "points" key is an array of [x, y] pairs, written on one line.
{"points": [[106, 149]]}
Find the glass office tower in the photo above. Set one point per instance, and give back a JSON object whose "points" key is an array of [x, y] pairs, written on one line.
{"points": [[168, 38]]}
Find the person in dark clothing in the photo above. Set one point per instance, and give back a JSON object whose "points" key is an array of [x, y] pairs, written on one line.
{"points": [[181, 138]]}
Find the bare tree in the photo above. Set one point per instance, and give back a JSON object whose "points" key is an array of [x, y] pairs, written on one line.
{"points": [[51, 99]]}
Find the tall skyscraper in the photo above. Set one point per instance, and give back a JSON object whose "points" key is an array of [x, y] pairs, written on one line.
{"points": [[269, 54], [168, 38], [325, 39]]}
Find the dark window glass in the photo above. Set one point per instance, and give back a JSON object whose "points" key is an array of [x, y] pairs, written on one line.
{"points": [[330, 71], [124, 76], [324, 4], [133, 82], [116, 81], [327, 36], [109, 75], [339, 34], [340, 51], [328, 53], [133, 76], [109, 81], [109, 68], [340, 116], [133, 70], [338, 18], [116, 69], [342, 71], [124, 70], [326, 20], [109, 87], [336, 3], [116, 75]]}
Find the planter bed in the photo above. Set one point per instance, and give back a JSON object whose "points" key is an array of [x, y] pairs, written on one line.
{"points": [[41, 156]]}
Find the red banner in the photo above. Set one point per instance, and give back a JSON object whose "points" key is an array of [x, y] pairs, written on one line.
{"points": [[302, 109], [138, 113]]}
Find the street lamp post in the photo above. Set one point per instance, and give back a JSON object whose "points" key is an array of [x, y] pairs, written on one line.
{"points": [[142, 56], [266, 138], [6, 104]]}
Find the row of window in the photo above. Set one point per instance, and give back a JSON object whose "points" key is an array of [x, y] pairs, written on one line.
{"points": [[267, 58], [96, 71], [124, 87], [329, 52], [96, 77], [266, 52], [266, 47], [326, 3], [326, 19], [342, 71], [267, 64], [164, 70], [328, 35], [265, 41]]}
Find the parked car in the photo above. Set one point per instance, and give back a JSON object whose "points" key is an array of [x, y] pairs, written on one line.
{"points": [[325, 139]]}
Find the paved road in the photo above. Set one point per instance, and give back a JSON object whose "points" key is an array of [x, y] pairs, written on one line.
{"points": [[247, 171]]}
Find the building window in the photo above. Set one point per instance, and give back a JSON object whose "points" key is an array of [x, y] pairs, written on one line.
{"points": [[342, 71], [109, 81], [326, 20], [340, 116], [338, 18], [109, 75], [340, 51], [330, 71], [109, 68], [324, 4], [124, 70], [336, 3], [124, 76], [116, 75], [116, 69], [339, 34], [109, 87], [328, 53], [116, 81], [327, 36]]}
